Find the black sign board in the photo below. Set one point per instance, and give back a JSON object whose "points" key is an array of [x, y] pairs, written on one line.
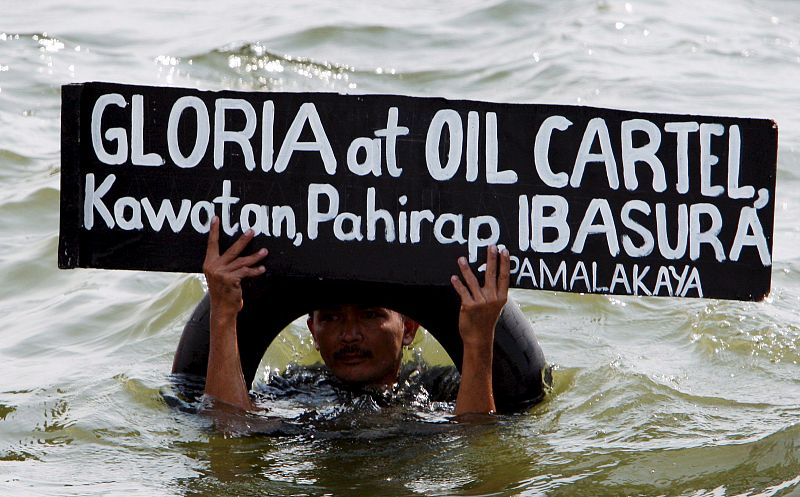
{"points": [[392, 189]]}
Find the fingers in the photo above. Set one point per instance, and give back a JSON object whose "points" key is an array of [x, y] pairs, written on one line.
{"points": [[472, 282], [232, 253], [238, 246], [248, 260], [212, 248], [247, 272], [461, 290], [497, 278], [490, 278], [504, 278], [230, 264]]}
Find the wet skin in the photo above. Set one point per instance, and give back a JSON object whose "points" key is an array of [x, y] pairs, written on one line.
{"points": [[362, 345]]}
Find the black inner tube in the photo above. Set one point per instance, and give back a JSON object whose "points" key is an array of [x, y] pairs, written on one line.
{"points": [[520, 373]]}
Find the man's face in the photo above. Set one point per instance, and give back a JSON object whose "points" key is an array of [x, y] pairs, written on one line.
{"points": [[362, 344]]}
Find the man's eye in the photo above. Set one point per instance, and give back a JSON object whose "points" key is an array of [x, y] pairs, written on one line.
{"points": [[328, 317], [372, 313]]}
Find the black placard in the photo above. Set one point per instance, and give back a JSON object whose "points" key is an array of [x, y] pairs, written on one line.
{"points": [[392, 189]]}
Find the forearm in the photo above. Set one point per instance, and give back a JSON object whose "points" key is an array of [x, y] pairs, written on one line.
{"points": [[475, 393], [224, 378], [480, 309]]}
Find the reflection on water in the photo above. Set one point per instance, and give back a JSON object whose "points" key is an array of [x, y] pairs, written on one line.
{"points": [[426, 463], [314, 432]]}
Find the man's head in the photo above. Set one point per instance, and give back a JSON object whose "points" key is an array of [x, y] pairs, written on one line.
{"points": [[362, 344]]}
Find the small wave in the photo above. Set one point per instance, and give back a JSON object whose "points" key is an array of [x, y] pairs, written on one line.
{"points": [[767, 466], [253, 66], [756, 330], [614, 408]]}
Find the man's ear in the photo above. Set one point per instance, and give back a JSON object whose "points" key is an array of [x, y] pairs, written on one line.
{"points": [[310, 324], [409, 330]]}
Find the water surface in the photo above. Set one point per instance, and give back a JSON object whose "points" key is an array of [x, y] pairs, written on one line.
{"points": [[651, 396]]}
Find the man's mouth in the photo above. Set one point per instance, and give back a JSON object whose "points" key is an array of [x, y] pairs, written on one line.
{"points": [[351, 354]]}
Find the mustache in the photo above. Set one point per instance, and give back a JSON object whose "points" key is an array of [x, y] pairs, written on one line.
{"points": [[350, 350]]}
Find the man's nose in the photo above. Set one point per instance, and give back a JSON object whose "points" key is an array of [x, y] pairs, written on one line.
{"points": [[352, 330]]}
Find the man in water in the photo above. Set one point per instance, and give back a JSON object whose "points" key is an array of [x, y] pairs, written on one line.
{"points": [[361, 345]]}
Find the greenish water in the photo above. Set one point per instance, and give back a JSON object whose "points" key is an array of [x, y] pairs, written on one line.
{"points": [[651, 396]]}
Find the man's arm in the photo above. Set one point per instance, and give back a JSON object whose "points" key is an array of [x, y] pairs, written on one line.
{"points": [[224, 274], [480, 310]]}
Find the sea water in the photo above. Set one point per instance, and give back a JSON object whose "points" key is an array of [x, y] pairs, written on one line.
{"points": [[652, 396]]}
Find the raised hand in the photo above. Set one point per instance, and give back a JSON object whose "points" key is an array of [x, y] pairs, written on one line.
{"points": [[224, 273], [481, 305], [480, 309]]}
